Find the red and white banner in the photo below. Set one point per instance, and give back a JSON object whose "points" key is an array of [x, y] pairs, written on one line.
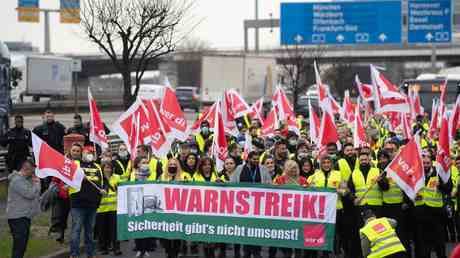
{"points": [[228, 115], [348, 108], [443, 161], [158, 129], [365, 90], [406, 128], [52, 163], [238, 105], [172, 115], [96, 126], [406, 169], [434, 124], [219, 147], [415, 104], [328, 132], [387, 96]]}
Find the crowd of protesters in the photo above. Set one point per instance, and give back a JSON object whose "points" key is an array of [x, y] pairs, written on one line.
{"points": [[423, 226]]}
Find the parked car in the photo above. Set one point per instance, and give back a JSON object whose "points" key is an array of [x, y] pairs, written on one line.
{"points": [[189, 97]]}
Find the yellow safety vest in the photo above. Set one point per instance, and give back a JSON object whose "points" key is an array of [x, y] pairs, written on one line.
{"points": [[430, 195], [197, 177], [109, 200], [374, 196], [92, 174], [200, 141], [126, 171], [383, 238], [345, 169], [394, 195], [318, 180], [184, 176], [455, 178]]}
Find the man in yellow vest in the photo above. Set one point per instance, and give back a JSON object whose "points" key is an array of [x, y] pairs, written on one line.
{"points": [[379, 239], [429, 212], [84, 204], [348, 162], [203, 136], [123, 163]]}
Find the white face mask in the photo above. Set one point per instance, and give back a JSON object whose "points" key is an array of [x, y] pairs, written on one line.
{"points": [[88, 157], [123, 154], [144, 167]]}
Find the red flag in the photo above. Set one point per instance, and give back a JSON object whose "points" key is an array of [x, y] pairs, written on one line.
{"points": [[96, 128], [135, 135], [365, 90], [323, 91], [219, 148], [442, 99], [328, 132], [172, 114], [247, 145], [359, 134], [208, 115], [158, 140], [270, 124], [434, 124], [387, 96], [314, 124], [406, 169], [285, 111], [443, 161], [415, 105], [238, 105], [228, 116], [406, 128], [348, 108], [257, 110], [52, 163], [454, 119]]}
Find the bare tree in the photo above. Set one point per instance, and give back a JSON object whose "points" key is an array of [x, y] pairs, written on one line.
{"points": [[297, 67], [340, 77], [134, 33]]}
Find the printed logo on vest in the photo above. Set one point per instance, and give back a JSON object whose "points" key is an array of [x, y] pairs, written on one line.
{"points": [[379, 228], [314, 235]]}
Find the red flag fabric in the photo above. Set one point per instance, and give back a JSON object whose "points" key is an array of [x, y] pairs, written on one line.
{"points": [[314, 124], [434, 124], [96, 127], [208, 115], [443, 161], [52, 163], [238, 105], [328, 132], [257, 110], [247, 145], [228, 115], [387, 96], [359, 134], [172, 114], [270, 124], [285, 112], [158, 140], [406, 128], [348, 108], [454, 119], [365, 90], [322, 89], [219, 148], [415, 104], [406, 169]]}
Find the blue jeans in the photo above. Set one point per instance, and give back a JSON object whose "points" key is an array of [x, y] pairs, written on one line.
{"points": [[82, 218]]}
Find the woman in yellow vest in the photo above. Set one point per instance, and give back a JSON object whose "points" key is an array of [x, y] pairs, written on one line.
{"points": [[206, 171], [191, 164], [229, 168], [106, 219], [379, 239], [326, 177], [141, 172], [173, 172]]}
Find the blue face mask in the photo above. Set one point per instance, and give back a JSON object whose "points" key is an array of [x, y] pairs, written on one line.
{"points": [[205, 130]]}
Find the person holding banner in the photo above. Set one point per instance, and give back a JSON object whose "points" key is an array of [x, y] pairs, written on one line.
{"points": [[429, 212], [173, 172], [326, 177], [85, 202]]}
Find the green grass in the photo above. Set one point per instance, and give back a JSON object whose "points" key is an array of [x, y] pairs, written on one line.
{"points": [[3, 191], [39, 244]]}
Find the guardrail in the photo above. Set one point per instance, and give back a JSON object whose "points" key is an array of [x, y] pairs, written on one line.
{"points": [[63, 106], [114, 142]]}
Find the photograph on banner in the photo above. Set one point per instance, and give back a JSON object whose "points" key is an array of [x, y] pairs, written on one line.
{"points": [[70, 11], [28, 11], [290, 217]]}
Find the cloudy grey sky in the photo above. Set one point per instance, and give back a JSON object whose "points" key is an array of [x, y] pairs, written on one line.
{"points": [[221, 26]]}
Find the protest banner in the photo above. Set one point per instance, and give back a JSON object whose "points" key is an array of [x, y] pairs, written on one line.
{"points": [[264, 215]]}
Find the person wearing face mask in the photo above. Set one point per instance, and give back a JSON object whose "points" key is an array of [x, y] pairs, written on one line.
{"points": [[364, 194], [251, 172], [106, 219], [173, 172], [61, 206], [203, 136], [155, 165], [123, 164], [292, 142], [429, 212], [301, 152], [327, 177], [84, 203]]}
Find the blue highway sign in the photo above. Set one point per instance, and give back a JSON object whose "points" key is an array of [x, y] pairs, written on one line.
{"points": [[429, 21], [341, 22]]}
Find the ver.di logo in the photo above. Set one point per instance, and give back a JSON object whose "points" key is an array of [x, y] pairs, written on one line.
{"points": [[314, 235]]}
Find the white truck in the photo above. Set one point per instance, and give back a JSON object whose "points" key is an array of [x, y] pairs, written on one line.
{"points": [[252, 76], [45, 76]]}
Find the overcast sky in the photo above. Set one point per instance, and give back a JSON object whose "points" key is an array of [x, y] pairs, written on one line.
{"points": [[221, 26]]}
